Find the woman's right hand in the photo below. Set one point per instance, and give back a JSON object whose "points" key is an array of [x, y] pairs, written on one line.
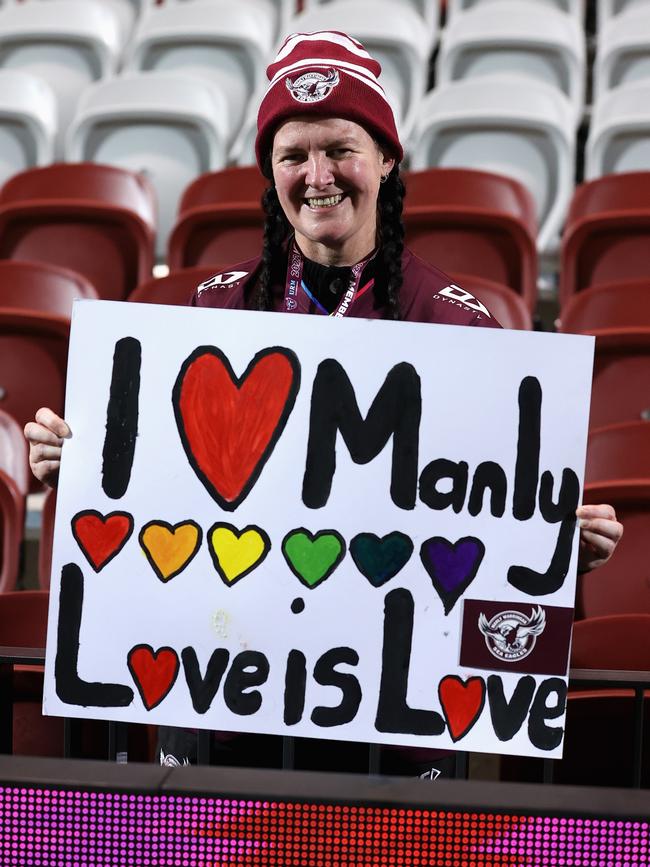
{"points": [[45, 436]]}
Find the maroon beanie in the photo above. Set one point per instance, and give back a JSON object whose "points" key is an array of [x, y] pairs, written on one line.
{"points": [[325, 74]]}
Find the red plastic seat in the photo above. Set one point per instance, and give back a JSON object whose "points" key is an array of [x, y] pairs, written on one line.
{"points": [[176, 288], [621, 304], [616, 642], [469, 221], [95, 219], [606, 233], [220, 219], [504, 303], [14, 486], [621, 381], [35, 309], [619, 454], [622, 585]]}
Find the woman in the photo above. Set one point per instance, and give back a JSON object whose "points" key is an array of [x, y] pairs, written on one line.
{"points": [[333, 245]]}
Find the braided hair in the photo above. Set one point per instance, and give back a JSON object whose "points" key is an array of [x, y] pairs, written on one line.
{"points": [[388, 279]]}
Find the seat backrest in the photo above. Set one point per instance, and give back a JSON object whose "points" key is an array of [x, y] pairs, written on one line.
{"points": [[13, 452], [233, 184], [624, 304], [28, 124], [618, 642], [428, 9], [619, 452], [42, 288], [619, 133], [574, 7], [176, 288], [620, 389], [23, 618], [623, 51], [31, 376], [213, 235]]}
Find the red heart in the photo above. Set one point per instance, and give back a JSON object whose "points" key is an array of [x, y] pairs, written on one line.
{"points": [[101, 537], [462, 703], [229, 426], [154, 672]]}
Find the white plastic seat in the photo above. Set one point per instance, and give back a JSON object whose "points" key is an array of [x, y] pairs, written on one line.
{"points": [[509, 125], [607, 9], [516, 36], [215, 40], [127, 12], [279, 11], [393, 33], [429, 10], [619, 137], [623, 52], [68, 43], [573, 7], [27, 122], [171, 128]]}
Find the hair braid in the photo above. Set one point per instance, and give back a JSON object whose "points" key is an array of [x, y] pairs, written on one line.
{"points": [[276, 228], [391, 237]]}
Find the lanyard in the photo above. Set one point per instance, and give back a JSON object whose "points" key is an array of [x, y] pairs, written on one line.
{"points": [[298, 298]]}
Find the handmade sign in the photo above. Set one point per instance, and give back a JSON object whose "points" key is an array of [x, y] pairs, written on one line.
{"points": [[340, 529]]}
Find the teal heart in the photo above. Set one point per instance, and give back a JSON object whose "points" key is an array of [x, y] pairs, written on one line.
{"points": [[379, 560], [313, 558]]}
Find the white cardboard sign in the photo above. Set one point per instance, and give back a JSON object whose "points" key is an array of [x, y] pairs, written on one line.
{"points": [[348, 529]]}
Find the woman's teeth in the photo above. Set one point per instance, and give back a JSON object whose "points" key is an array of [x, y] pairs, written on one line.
{"points": [[324, 201]]}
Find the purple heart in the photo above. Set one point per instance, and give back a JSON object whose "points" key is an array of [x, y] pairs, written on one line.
{"points": [[451, 566]]}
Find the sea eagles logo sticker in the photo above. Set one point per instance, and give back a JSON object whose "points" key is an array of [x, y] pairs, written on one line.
{"points": [[510, 635], [313, 86]]}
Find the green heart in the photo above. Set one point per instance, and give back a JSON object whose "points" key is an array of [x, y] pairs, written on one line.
{"points": [[313, 558]]}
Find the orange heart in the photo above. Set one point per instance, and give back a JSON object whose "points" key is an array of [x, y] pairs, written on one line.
{"points": [[169, 548], [101, 537]]}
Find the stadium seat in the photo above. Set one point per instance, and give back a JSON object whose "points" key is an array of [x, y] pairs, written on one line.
{"points": [[619, 454], [573, 7], [617, 642], [624, 304], [402, 47], [428, 9], [46, 539], [619, 136], [607, 9], [516, 36], [606, 233], [176, 288], [14, 486], [220, 219], [67, 43], [621, 383], [502, 302], [622, 585], [473, 222], [28, 122], [95, 219], [215, 40], [35, 309], [507, 125], [169, 127], [623, 51]]}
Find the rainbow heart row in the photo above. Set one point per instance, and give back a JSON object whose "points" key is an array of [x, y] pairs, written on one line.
{"points": [[312, 557]]}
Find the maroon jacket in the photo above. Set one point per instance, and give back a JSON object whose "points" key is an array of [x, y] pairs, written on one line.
{"points": [[427, 295]]}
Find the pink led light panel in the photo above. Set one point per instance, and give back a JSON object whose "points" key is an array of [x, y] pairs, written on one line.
{"points": [[62, 828]]}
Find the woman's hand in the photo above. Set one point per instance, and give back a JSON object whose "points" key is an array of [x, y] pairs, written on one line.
{"points": [[600, 533], [45, 436]]}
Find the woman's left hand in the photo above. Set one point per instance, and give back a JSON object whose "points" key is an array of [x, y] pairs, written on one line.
{"points": [[600, 533]]}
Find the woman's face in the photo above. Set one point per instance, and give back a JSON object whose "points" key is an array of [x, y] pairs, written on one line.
{"points": [[327, 174]]}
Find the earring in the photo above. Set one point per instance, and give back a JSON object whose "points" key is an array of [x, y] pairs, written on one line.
{"points": [[383, 179]]}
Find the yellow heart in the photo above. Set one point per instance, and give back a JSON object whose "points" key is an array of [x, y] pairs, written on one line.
{"points": [[170, 548], [235, 552]]}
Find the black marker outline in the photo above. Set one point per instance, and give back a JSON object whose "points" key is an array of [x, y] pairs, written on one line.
{"points": [[155, 654], [379, 541], [464, 684], [172, 529], [121, 418], [314, 537], [294, 362], [223, 525], [103, 518], [450, 598]]}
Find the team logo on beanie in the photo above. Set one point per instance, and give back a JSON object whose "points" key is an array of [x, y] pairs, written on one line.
{"points": [[313, 86]]}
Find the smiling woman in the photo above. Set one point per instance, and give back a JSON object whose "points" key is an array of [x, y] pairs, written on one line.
{"points": [[333, 245]]}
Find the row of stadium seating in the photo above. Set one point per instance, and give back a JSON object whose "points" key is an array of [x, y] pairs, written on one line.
{"points": [[178, 97]]}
